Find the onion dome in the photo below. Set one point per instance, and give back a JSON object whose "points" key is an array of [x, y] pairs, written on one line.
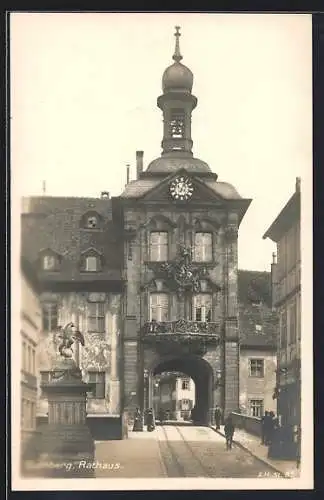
{"points": [[177, 77]]}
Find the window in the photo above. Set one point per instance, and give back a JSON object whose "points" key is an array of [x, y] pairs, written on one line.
{"points": [[45, 378], [91, 263], [24, 356], [159, 307], [33, 362], [177, 124], [256, 407], [256, 368], [49, 262], [158, 246], [202, 307], [185, 404], [29, 366], [258, 328], [50, 313], [96, 317], [292, 324], [97, 378], [203, 247], [185, 384], [283, 329], [91, 222]]}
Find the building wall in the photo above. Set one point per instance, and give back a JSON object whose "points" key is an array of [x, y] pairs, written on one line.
{"points": [[101, 353], [288, 303], [257, 388], [29, 334], [139, 274]]}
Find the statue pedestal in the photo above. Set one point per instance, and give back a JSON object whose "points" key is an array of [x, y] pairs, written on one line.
{"points": [[66, 444]]}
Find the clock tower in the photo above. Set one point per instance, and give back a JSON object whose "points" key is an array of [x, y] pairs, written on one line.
{"points": [[180, 256]]}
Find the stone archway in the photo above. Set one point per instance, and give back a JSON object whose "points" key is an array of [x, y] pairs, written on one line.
{"points": [[201, 373]]}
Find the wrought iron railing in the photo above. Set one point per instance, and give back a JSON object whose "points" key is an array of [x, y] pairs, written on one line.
{"points": [[181, 326]]}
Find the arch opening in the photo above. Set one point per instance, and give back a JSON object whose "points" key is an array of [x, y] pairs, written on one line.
{"points": [[193, 368]]}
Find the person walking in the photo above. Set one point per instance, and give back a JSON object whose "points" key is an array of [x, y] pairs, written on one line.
{"points": [[229, 430], [218, 416]]}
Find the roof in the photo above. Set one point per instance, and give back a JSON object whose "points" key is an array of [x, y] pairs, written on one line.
{"points": [[140, 187], [54, 223], [167, 164], [286, 218], [258, 323]]}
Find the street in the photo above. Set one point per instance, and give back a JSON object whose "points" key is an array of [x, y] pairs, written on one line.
{"points": [[176, 451]]}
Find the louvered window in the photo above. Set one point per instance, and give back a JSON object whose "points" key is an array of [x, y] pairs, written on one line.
{"points": [[202, 307], [159, 307], [159, 246], [203, 247]]}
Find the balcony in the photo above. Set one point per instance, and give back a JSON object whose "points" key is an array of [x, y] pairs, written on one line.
{"points": [[196, 334]]}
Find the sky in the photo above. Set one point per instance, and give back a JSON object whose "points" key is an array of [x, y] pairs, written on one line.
{"points": [[83, 96]]}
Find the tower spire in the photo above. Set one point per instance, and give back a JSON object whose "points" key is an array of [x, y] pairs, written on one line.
{"points": [[177, 56]]}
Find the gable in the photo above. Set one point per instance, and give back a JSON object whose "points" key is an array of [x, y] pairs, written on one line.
{"points": [[199, 191]]}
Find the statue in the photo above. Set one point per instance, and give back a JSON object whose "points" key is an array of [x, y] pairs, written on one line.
{"points": [[69, 335]]}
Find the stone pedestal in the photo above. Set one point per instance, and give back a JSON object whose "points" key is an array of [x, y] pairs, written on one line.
{"points": [[66, 445]]}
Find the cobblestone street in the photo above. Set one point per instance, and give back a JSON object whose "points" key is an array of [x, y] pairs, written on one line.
{"points": [[176, 451]]}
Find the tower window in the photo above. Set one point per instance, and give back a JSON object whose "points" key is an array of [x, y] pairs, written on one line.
{"points": [[202, 307], [159, 246], [203, 247], [159, 307], [92, 222], [177, 124]]}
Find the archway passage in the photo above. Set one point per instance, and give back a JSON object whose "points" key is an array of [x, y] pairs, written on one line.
{"points": [[201, 373]]}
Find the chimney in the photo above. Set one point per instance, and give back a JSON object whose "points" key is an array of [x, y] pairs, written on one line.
{"points": [[297, 184], [139, 163], [105, 195], [127, 174]]}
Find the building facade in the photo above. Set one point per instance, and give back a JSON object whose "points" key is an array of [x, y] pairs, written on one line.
{"points": [[258, 324], [174, 394], [286, 279], [29, 337], [150, 277]]}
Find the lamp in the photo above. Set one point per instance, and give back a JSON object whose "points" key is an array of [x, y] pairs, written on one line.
{"points": [[218, 378]]}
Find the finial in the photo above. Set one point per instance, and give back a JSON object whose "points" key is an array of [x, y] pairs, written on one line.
{"points": [[177, 56]]}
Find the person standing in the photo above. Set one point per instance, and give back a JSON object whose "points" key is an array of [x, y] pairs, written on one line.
{"points": [[264, 427], [150, 420], [218, 416], [229, 430], [137, 427]]}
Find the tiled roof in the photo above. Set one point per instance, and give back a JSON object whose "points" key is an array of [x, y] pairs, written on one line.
{"points": [[54, 223], [258, 324]]}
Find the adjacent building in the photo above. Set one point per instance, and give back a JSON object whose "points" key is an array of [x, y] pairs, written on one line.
{"points": [[258, 325], [174, 394], [286, 279], [30, 321]]}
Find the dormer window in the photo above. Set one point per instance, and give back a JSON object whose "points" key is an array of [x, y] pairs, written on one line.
{"points": [[91, 220], [91, 261], [49, 260]]}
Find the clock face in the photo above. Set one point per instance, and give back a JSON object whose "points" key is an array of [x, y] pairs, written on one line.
{"points": [[181, 188]]}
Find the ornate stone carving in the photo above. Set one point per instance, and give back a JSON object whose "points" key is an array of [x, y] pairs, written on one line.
{"points": [[180, 274], [68, 335]]}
